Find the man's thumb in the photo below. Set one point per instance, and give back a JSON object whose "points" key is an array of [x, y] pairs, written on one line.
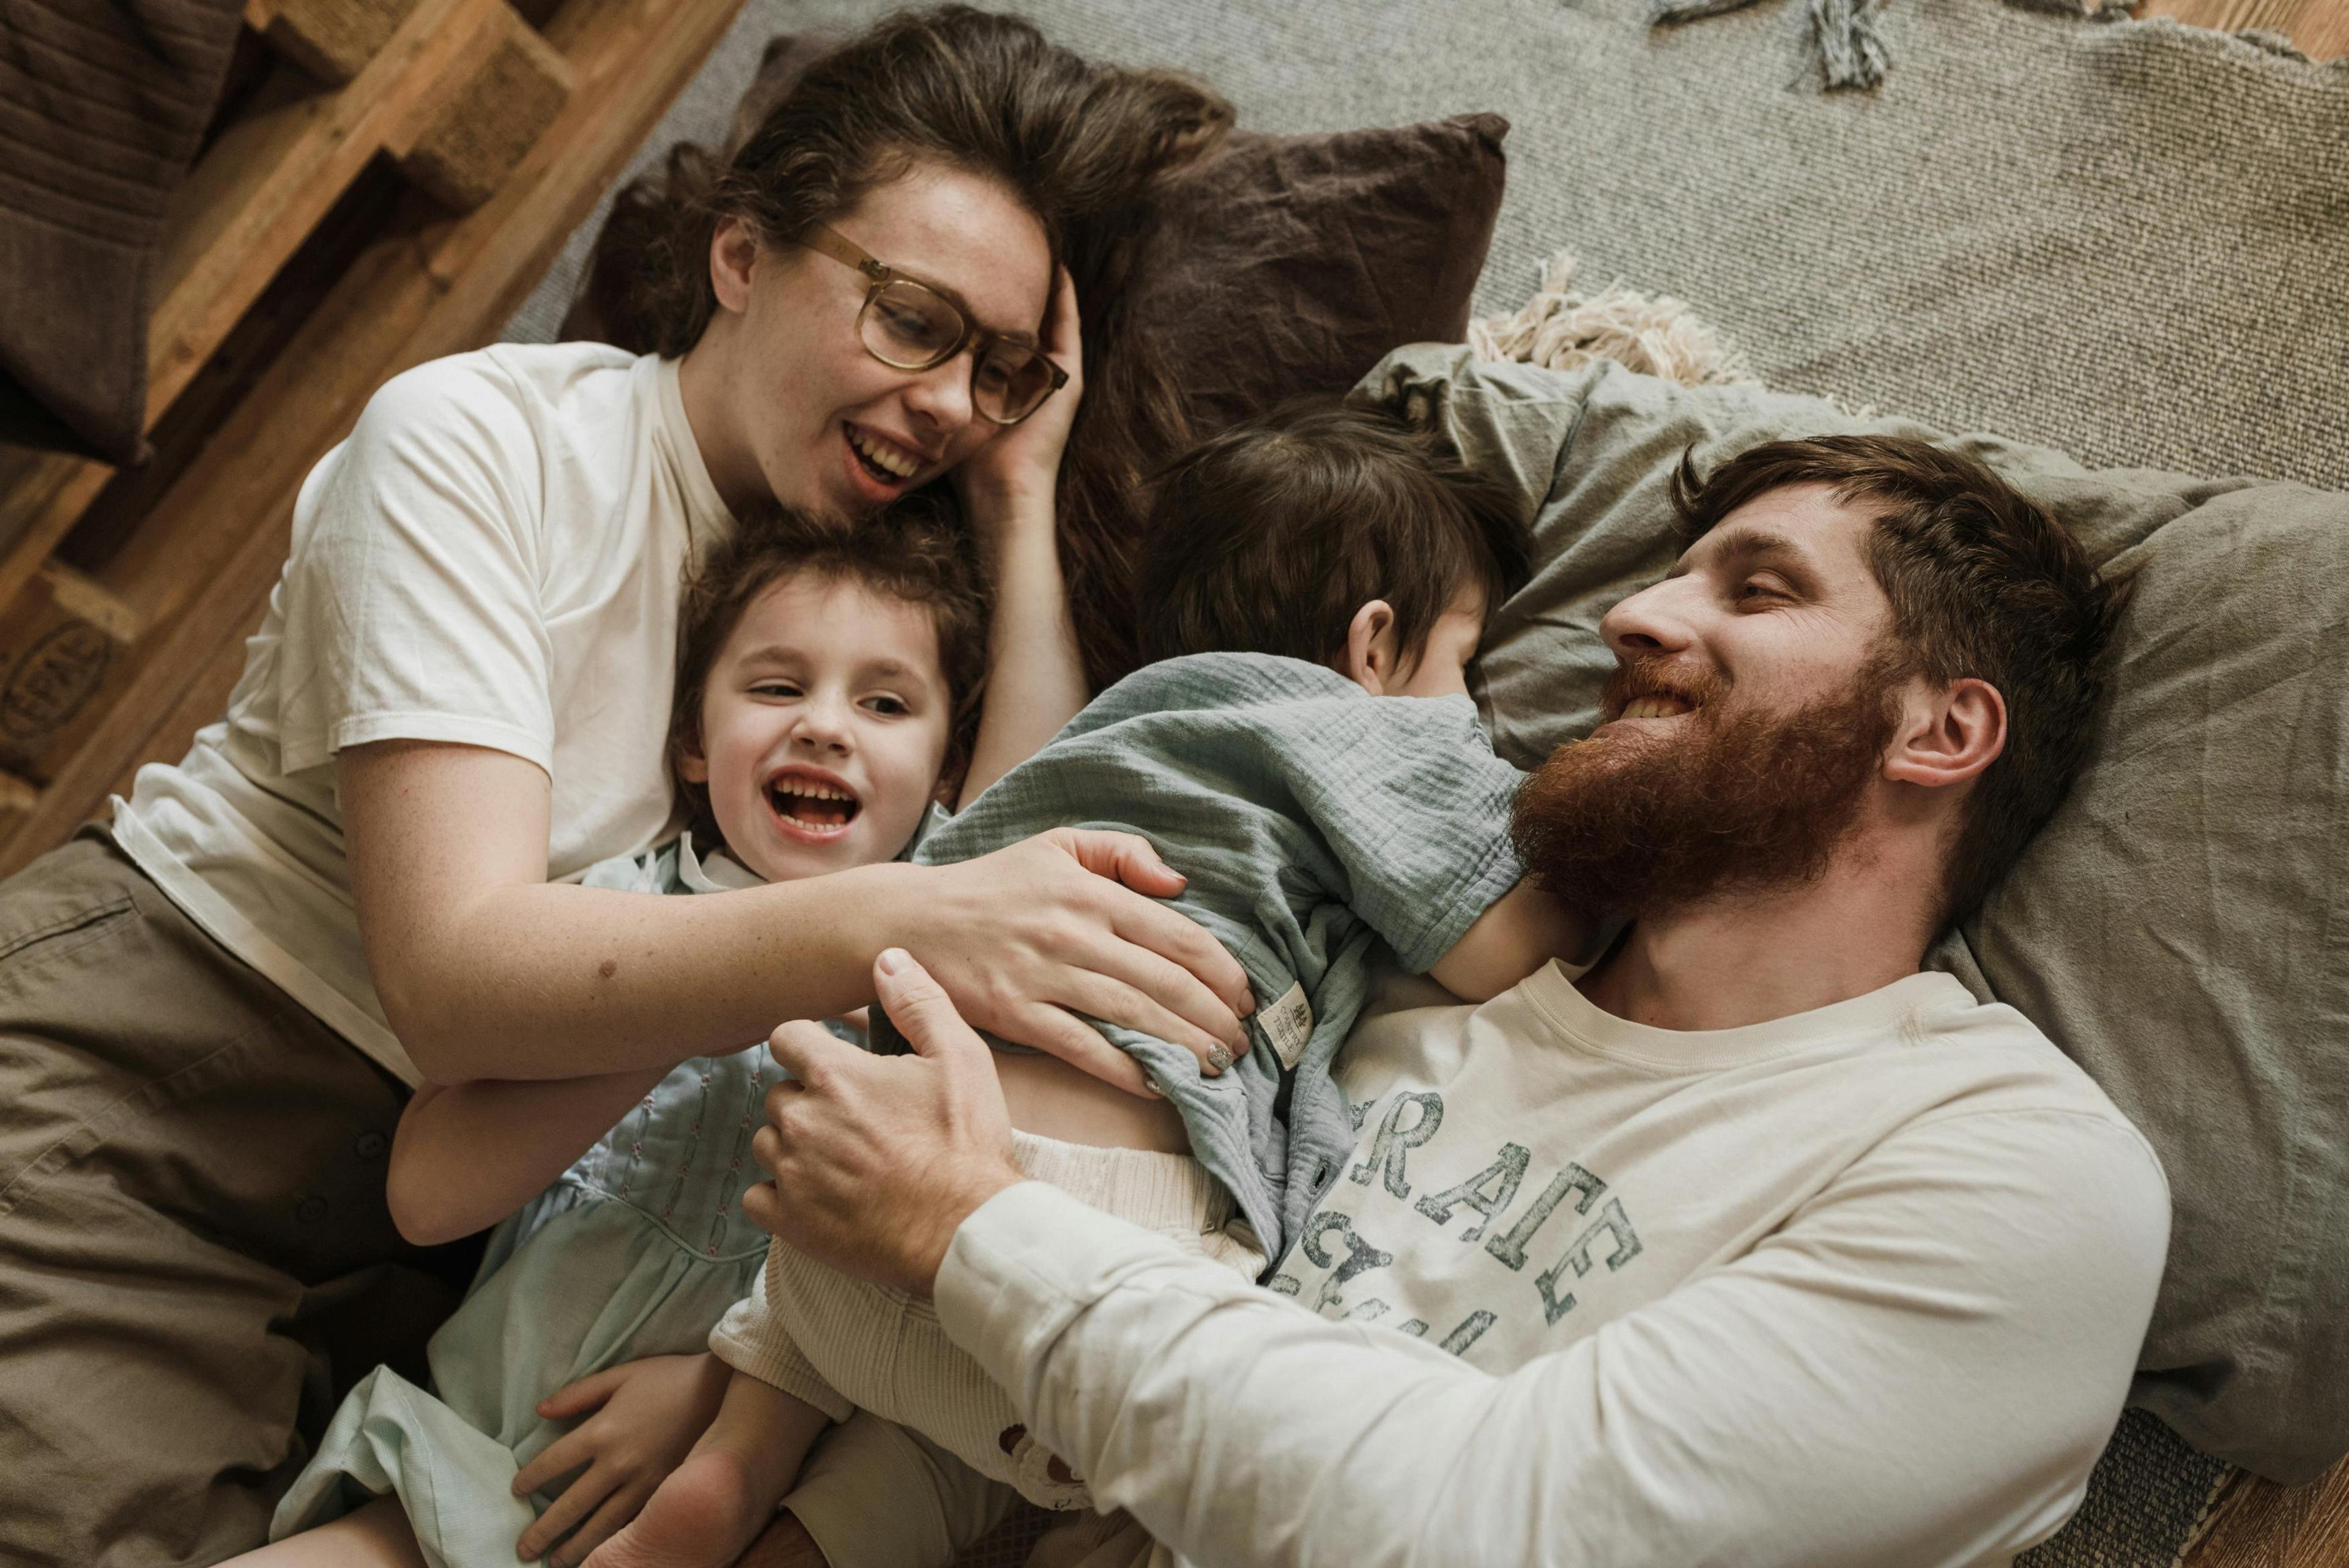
{"points": [[917, 1004]]}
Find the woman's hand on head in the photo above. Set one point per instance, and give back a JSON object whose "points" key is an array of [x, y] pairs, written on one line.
{"points": [[1066, 924], [1017, 472]]}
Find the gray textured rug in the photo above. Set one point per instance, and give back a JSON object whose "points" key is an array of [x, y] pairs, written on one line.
{"points": [[2124, 239]]}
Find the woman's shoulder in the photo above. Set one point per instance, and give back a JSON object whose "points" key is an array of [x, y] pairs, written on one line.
{"points": [[502, 381], [508, 430], [504, 404]]}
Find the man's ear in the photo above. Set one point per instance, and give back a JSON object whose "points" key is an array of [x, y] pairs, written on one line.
{"points": [[1949, 736], [733, 255], [1370, 661]]}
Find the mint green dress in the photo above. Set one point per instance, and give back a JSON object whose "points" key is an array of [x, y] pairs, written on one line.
{"points": [[638, 1250]]}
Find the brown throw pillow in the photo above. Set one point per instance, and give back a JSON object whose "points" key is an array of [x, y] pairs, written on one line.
{"points": [[1292, 263], [1282, 265], [1279, 266]]}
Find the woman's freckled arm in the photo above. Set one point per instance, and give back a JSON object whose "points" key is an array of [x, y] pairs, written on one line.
{"points": [[483, 967], [1035, 672], [476, 956], [1035, 678]]}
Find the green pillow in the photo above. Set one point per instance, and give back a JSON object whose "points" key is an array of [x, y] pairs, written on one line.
{"points": [[2180, 927]]}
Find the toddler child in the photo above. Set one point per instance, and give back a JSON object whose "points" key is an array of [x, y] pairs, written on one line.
{"points": [[1304, 750], [826, 680]]}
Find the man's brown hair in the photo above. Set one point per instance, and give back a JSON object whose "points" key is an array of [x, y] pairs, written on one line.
{"points": [[1267, 537], [1983, 584], [915, 551]]}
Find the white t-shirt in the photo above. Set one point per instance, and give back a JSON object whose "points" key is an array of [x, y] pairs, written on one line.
{"points": [[493, 558], [1864, 1285]]}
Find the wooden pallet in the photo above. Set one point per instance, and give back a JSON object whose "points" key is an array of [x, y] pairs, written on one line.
{"points": [[299, 273]]}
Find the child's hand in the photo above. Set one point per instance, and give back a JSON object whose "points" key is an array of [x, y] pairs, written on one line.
{"points": [[651, 1411]]}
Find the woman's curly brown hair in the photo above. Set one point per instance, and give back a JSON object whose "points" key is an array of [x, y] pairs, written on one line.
{"points": [[1084, 148]]}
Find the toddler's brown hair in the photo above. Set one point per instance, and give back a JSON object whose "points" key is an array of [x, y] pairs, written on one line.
{"points": [[1269, 537]]}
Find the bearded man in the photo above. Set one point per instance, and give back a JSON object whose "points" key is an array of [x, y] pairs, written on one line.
{"points": [[1749, 1243]]}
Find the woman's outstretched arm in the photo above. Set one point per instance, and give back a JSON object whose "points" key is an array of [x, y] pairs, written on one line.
{"points": [[1035, 675], [486, 970]]}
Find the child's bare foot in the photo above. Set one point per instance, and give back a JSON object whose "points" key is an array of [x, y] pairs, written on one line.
{"points": [[703, 1516]]}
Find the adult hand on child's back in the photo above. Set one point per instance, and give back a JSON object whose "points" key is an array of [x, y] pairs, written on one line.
{"points": [[642, 1419], [1026, 939], [878, 1160]]}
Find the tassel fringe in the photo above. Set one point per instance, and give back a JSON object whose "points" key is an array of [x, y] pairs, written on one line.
{"points": [[1562, 329]]}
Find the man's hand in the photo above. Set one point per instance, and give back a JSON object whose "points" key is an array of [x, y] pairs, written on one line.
{"points": [[878, 1160]]}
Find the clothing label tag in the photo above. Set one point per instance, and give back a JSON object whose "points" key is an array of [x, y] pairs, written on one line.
{"points": [[1287, 1024]]}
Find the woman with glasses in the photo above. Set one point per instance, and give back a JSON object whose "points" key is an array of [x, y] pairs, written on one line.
{"points": [[212, 1010]]}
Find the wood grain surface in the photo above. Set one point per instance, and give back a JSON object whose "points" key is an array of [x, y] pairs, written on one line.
{"points": [[2259, 1524], [2318, 27]]}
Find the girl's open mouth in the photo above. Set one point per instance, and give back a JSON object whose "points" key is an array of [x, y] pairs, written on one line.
{"points": [[811, 806]]}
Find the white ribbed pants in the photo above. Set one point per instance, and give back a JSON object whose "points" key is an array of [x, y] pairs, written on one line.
{"points": [[841, 1345]]}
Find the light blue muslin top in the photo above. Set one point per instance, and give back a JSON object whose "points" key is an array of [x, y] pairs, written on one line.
{"points": [[638, 1250], [1315, 822]]}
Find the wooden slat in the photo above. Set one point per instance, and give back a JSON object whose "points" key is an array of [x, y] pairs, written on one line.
{"points": [[2259, 1524], [2324, 32], [2236, 16], [30, 480], [434, 286], [57, 664], [266, 181], [332, 40], [38, 505], [2318, 29], [87, 599], [204, 701], [246, 206]]}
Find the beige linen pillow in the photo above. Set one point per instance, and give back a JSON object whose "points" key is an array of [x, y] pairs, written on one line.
{"points": [[2180, 927]]}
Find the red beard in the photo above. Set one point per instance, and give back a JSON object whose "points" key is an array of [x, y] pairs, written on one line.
{"points": [[1724, 802]]}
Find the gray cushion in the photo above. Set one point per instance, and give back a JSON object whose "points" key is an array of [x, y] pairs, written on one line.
{"points": [[2181, 927]]}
